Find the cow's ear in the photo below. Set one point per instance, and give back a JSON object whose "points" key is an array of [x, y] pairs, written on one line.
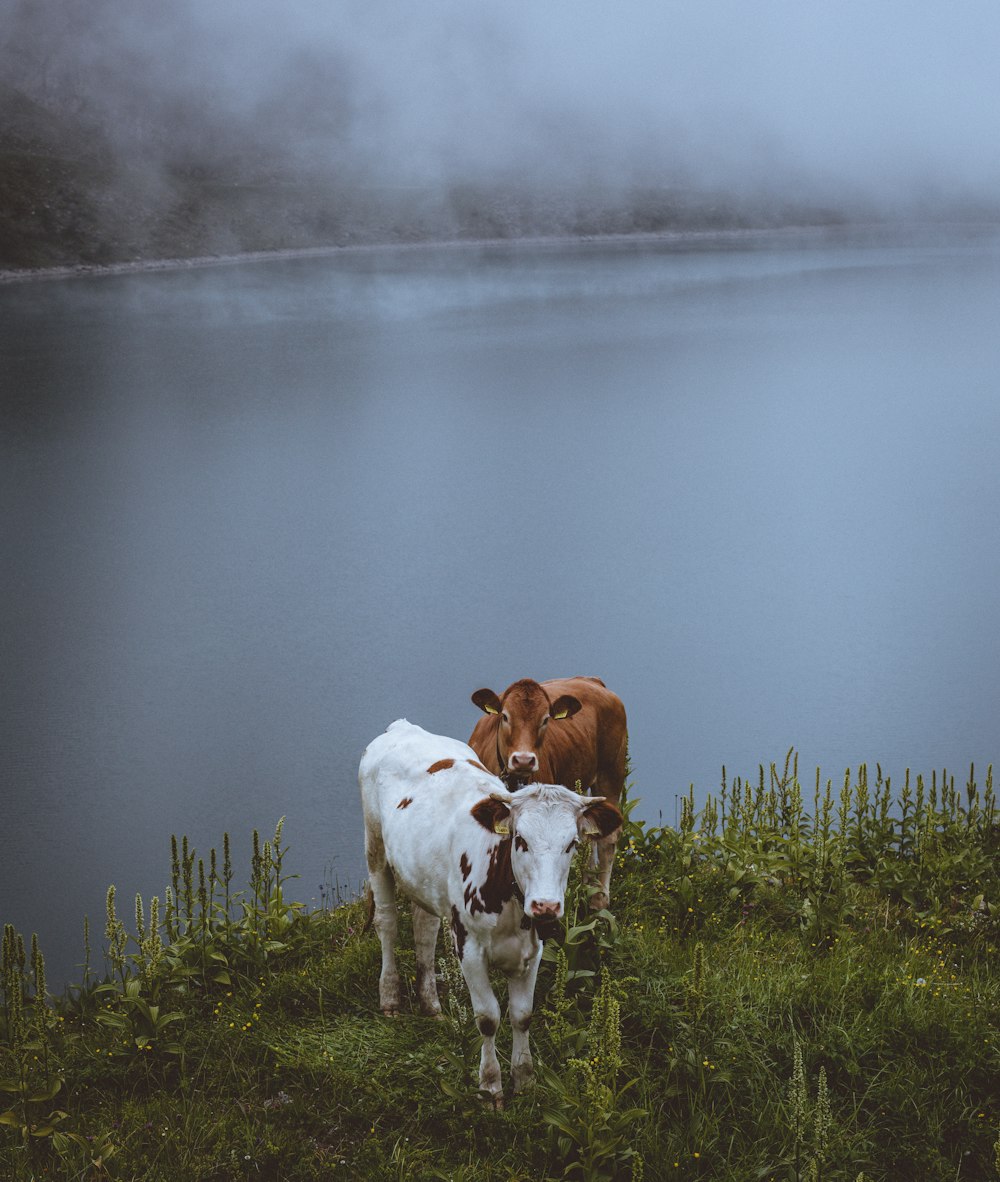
{"points": [[493, 813], [599, 818], [564, 707], [487, 701]]}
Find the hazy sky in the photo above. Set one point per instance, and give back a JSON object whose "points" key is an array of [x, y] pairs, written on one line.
{"points": [[886, 97], [882, 95], [890, 99]]}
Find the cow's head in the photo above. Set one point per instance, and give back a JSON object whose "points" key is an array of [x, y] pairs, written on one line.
{"points": [[525, 713], [545, 824]]}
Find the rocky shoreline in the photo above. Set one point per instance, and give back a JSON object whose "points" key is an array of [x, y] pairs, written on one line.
{"points": [[140, 266], [802, 234]]}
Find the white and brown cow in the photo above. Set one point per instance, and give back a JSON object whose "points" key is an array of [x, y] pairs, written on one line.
{"points": [[571, 731], [445, 831]]}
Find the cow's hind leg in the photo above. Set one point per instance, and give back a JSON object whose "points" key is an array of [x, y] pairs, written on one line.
{"points": [[599, 863], [605, 849], [611, 786], [487, 1010], [425, 931], [521, 991], [384, 894]]}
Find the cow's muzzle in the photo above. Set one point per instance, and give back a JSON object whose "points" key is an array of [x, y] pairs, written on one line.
{"points": [[522, 763]]}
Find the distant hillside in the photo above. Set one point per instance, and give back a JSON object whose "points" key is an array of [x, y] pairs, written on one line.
{"points": [[48, 208], [151, 130], [67, 199]]}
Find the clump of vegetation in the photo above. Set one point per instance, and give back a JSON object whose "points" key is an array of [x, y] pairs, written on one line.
{"points": [[785, 990]]}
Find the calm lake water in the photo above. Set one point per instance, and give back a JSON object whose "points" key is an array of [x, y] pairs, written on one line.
{"points": [[251, 514]]}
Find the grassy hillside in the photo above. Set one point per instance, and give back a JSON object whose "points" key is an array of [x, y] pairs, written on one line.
{"points": [[787, 989]]}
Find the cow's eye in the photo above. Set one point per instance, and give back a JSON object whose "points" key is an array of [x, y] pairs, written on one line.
{"points": [[572, 846], [505, 716], [520, 843]]}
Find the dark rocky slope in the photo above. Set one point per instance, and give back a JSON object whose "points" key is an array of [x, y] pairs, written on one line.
{"points": [[67, 199]]}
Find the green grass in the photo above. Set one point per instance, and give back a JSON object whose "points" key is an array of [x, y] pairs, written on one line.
{"points": [[782, 993]]}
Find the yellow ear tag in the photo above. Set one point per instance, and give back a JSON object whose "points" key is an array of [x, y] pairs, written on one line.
{"points": [[502, 828], [491, 710], [590, 828], [561, 714]]}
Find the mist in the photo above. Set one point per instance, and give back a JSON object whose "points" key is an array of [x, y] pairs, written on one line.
{"points": [[849, 110]]}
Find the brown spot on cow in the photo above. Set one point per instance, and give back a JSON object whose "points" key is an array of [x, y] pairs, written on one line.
{"points": [[473, 903], [465, 866], [405, 802], [458, 932], [440, 766], [498, 888], [476, 763]]}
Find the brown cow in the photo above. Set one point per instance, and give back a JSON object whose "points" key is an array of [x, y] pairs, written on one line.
{"points": [[558, 732]]}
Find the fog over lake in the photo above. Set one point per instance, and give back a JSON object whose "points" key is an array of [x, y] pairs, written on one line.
{"points": [[856, 108], [251, 514]]}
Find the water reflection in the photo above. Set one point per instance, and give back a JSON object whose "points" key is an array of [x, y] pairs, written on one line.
{"points": [[252, 514]]}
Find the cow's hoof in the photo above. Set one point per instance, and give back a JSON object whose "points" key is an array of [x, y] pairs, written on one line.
{"points": [[492, 1100], [390, 1011]]}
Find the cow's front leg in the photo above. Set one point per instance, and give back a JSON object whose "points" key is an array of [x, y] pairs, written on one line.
{"points": [[521, 991], [425, 930], [487, 1010], [384, 892]]}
